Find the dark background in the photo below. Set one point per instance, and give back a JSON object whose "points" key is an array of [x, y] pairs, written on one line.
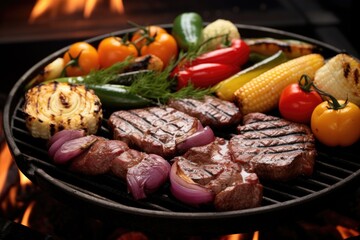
{"points": [[21, 46]]}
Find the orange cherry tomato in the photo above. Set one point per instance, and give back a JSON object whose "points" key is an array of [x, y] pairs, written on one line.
{"points": [[114, 49], [163, 46], [80, 59], [140, 37]]}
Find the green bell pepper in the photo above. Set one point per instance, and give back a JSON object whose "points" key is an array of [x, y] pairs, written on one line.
{"points": [[187, 30]]}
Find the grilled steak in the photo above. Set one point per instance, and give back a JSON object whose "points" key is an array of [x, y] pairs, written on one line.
{"points": [[155, 130], [211, 111], [98, 158], [274, 148], [124, 161], [211, 167]]}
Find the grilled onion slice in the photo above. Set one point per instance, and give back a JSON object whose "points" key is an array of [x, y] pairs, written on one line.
{"points": [[54, 106], [340, 77]]}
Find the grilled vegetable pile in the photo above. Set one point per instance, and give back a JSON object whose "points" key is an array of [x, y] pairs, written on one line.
{"points": [[153, 65]]}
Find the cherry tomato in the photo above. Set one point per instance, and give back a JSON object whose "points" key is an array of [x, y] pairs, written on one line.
{"points": [[298, 100], [80, 59], [141, 36], [163, 46], [114, 49], [336, 126]]}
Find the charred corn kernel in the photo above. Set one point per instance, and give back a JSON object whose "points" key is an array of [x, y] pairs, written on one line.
{"points": [[340, 77], [54, 106], [291, 47], [225, 89], [262, 93]]}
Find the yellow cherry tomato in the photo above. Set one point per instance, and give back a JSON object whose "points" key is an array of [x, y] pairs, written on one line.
{"points": [[336, 127]]}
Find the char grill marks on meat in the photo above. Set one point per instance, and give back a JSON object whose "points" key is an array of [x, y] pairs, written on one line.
{"points": [[211, 111], [274, 148], [144, 173], [155, 130], [211, 167]]}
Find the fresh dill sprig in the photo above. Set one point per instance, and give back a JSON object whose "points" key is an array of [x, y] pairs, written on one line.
{"points": [[191, 91], [103, 76], [159, 86], [152, 85]]}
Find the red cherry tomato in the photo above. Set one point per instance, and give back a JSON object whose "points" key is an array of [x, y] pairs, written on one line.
{"points": [[298, 101]]}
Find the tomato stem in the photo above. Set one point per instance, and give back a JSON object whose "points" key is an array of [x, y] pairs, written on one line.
{"points": [[332, 101], [145, 33], [306, 84], [74, 62]]}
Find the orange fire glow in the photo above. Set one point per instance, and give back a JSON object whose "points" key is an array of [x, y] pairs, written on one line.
{"points": [[10, 190], [242, 236], [26, 215], [4, 165], [55, 7], [347, 232]]}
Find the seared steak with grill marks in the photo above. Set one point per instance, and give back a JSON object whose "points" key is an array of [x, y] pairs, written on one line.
{"points": [[98, 158], [126, 160], [211, 111], [211, 167], [273, 147], [155, 130]]}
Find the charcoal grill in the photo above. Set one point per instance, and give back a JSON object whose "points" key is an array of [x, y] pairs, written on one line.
{"points": [[336, 171]]}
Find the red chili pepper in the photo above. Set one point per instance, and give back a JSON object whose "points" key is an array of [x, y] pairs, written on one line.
{"points": [[237, 54], [205, 74]]}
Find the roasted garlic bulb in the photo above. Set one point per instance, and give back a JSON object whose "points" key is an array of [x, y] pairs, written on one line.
{"points": [[55, 106], [340, 77]]}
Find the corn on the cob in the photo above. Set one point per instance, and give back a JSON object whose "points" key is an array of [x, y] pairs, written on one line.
{"points": [[54, 106], [226, 88], [262, 93], [340, 77]]}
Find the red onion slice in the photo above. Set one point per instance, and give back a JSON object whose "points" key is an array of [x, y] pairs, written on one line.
{"points": [[200, 138], [61, 137], [187, 191], [147, 176], [73, 148]]}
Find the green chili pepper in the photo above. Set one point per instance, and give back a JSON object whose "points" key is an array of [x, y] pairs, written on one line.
{"points": [[112, 96], [145, 88], [118, 97], [187, 30]]}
